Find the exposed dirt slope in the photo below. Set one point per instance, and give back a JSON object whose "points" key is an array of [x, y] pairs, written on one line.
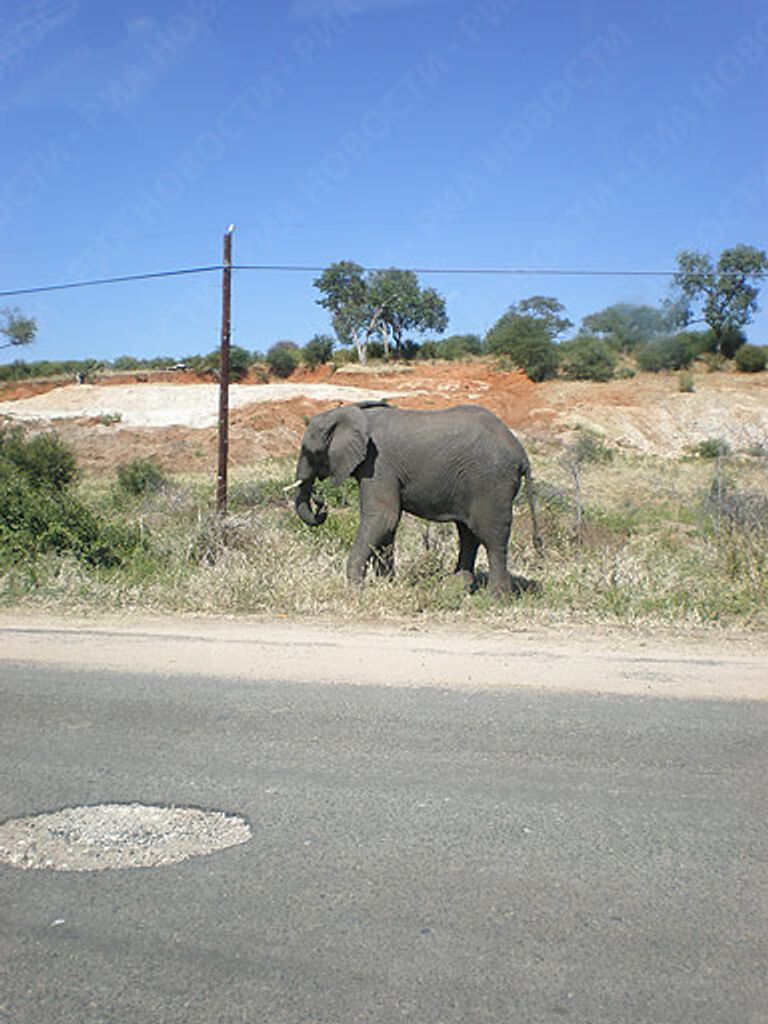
{"points": [[172, 418]]}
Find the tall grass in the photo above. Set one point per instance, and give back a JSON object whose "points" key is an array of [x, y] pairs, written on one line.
{"points": [[628, 538]]}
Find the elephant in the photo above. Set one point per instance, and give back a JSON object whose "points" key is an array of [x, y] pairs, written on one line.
{"points": [[460, 465]]}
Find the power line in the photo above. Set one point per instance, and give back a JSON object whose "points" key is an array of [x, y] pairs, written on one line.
{"points": [[107, 280], [291, 268], [478, 270]]}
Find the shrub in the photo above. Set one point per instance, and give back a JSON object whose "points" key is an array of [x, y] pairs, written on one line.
{"points": [[751, 358], [318, 350], [34, 522], [714, 361], [730, 341], [588, 358], [539, 359], [283, 358], [44, 460], [140, 477], [455, 347], [239, 362], [712, 448], [126, 363], [671, 353], [591, 448], [38, 514], [685, 382]]}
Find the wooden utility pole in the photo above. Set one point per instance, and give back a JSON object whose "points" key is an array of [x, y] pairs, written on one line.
{"points": [[226, 331]]}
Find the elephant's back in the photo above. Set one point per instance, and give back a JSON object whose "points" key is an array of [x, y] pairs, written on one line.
{"points": [[470, 425]]}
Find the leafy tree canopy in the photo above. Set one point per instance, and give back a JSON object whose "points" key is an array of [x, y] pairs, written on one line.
{"points": [[18, 329], [587, 357], [536, 317], [381, 304], [527, 332], [318, 350], [398, 304], [625, 326], [725, 292]]}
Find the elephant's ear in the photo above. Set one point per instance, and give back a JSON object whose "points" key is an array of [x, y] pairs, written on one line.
{"points": [[348, 442]]}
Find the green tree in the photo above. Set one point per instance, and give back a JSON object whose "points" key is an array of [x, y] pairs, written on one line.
{"points": [[126, 363], [725, 292], [318, 350], [752, 358], [344, 292], [528, 332], [283, 358], [625, 325], [454, 347], [670, 353], [240, 360], [380, 305], [18, 329], [396, 304], [586, 357]]}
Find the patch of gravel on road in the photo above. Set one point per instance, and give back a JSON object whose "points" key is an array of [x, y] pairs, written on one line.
{"points": [[94, 838]]}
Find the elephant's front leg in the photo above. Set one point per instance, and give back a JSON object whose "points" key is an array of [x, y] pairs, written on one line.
{"points": [[375, 539]]}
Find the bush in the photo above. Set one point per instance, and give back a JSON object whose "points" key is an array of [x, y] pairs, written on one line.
{"points": [[589, 448], [38, 514], [140, 477], [44, 460], [318, 350], [751, 359], [455, 347], [283, 358], [673, 353], [588, 358], [698, 342], [712, 448], [537, 357], [730, 341], [713, 361], [239, 362]]}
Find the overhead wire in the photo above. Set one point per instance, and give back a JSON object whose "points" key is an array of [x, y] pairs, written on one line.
{"points": [[291, 268]]}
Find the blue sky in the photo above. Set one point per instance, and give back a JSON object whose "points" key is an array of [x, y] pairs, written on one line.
{"points": [[416, 133]]}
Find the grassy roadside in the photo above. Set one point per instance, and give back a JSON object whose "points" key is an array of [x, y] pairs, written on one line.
{"points": [[629, 539]]}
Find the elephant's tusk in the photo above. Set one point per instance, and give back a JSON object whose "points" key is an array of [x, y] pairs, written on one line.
{"points": [[293, 486]]}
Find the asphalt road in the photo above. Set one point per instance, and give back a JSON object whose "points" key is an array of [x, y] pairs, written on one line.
{"points": [[418, 854]]}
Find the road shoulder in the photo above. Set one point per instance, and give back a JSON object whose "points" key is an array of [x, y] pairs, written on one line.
{"points": [[609, 662]]}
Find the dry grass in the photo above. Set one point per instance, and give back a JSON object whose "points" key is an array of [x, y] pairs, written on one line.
{"points": [[627, 538]]}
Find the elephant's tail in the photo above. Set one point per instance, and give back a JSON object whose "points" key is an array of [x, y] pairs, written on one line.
{"points": [[537, 541]]}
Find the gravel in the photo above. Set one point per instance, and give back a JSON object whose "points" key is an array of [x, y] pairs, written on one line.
{"points": [[117, 836], [167, 405]]}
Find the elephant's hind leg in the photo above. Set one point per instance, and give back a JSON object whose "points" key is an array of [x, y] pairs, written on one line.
{"points": [[468, 545], [496, 542]]}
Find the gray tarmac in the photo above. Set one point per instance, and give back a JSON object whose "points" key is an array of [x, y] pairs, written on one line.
{"points": [[417, 854]]}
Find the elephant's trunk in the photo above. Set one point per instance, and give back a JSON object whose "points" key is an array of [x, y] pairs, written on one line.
{"points": [[310, 510]]}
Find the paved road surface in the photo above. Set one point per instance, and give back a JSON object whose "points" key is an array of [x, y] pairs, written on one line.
{"points": [[419, 854]]}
